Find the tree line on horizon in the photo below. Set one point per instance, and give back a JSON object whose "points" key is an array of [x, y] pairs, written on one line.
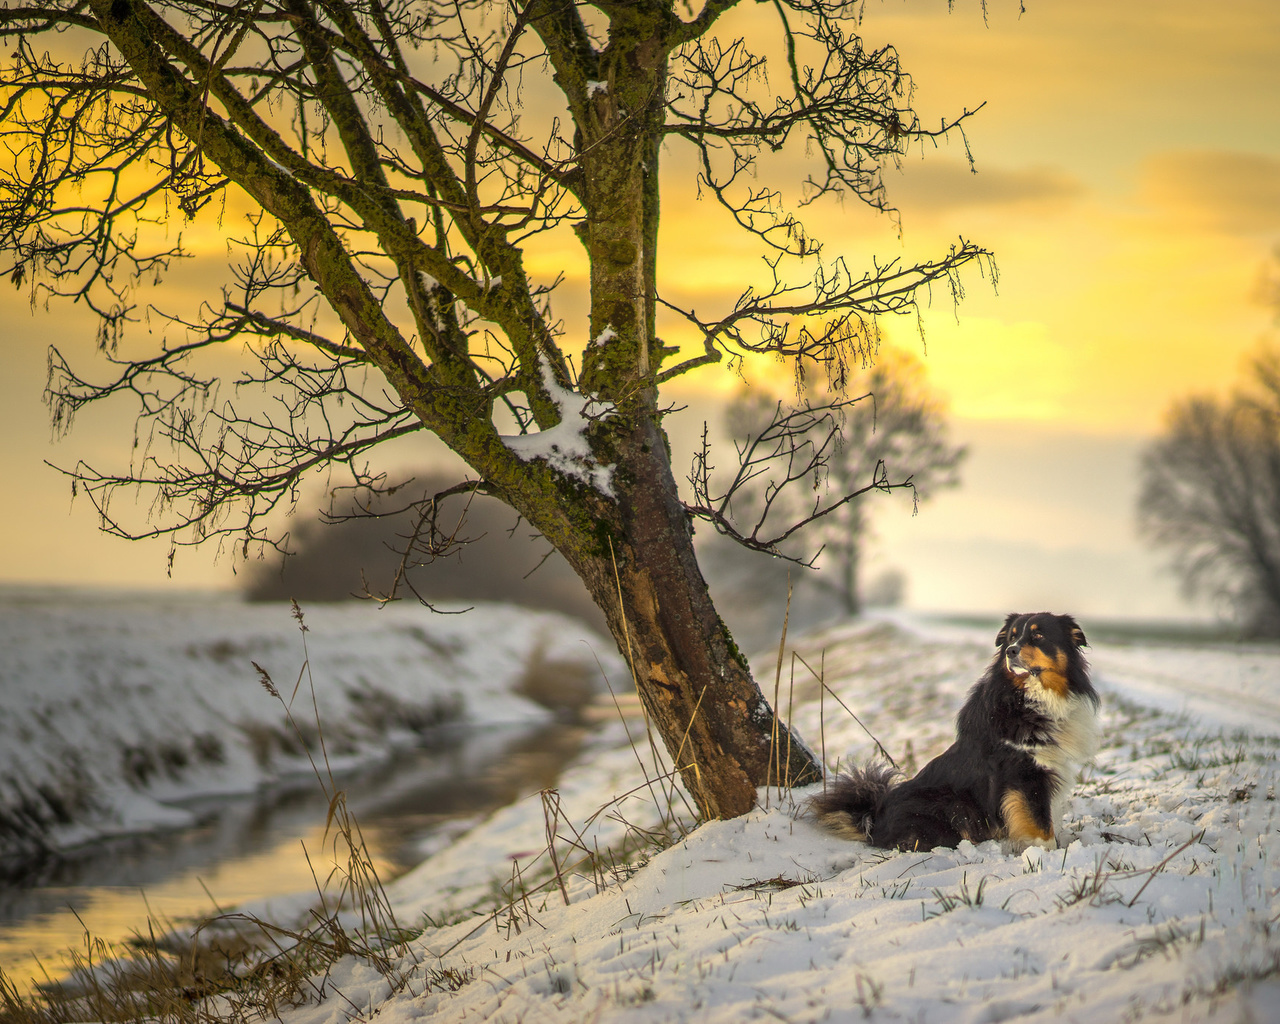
{"points": [[1210, 487]]}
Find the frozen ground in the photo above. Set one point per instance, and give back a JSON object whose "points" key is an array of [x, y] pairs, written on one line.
{"points": [[1162, 907], [114, 708]]}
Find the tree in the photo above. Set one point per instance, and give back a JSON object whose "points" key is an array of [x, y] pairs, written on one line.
{"points": [[1211, 494], [891, 434], [359, 550], [393, 177]]}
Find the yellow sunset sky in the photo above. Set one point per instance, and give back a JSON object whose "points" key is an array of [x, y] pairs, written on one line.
{"points": [[1128, 182]]}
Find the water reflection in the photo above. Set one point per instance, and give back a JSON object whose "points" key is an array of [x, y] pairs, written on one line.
{"points": [[256, 848]]}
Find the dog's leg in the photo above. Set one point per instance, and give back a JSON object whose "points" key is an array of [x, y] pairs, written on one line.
{"points": [[1027, 822]]}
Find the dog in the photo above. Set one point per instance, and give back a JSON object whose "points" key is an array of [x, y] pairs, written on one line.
{"points": [[1026, 729]]}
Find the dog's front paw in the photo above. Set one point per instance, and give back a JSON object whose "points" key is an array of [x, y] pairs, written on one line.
{"points": [[1015, 847]]}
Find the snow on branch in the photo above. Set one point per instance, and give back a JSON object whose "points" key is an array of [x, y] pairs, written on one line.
{"points": [[565, 447]]}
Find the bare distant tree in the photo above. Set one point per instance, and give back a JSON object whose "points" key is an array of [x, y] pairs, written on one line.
{"points": [[877, 427], [1211, 495], [363, 545], [392, 179]]}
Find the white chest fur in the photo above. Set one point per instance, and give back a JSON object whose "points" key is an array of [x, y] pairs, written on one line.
{"points": [[1074, 742]]}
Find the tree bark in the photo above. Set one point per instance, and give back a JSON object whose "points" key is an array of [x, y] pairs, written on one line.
{"points": [[695, 684]]}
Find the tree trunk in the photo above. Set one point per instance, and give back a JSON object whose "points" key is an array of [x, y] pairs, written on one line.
{"points": [[850, 553], [695, 684]]}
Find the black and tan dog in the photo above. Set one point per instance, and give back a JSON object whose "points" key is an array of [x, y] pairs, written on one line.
{"points": [[1023, 734]]}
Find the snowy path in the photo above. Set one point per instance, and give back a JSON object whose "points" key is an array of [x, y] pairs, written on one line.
{"points": [[1217, 686], [1235, 686]]}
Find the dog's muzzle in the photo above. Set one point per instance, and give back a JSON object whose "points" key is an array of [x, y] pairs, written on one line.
{"points": [[1013, 662]]}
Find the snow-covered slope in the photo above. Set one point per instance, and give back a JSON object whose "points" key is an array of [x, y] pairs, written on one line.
{"points": [[115, 706], [1163, 906]]}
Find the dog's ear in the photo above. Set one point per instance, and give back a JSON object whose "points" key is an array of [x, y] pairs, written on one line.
{"points": [[1077, 634], [1003, 636]]}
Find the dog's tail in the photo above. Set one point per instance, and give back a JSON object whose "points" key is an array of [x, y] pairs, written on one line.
{"points": [[849, 802]]}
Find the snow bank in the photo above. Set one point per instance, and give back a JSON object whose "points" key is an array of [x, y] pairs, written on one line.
{"points": [[1163, 905], [116, 706]]}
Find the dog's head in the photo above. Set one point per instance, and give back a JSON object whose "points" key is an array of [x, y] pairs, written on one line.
{"points": [[1043, 648]]}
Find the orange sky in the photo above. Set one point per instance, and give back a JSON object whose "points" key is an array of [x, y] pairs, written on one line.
{"points": [[1129, 184], [1128, 181]]}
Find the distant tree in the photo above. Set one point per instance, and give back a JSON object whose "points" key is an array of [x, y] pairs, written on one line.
{"points": [[1211, 494], [362, 546], [398, 184], [878, 427]]}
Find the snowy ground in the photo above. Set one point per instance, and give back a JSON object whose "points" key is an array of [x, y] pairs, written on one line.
{"points": [[1163, 906], [116, 708]]}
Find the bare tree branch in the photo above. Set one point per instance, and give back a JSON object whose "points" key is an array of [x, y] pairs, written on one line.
{"points": [[796, 446], [404, 168]]}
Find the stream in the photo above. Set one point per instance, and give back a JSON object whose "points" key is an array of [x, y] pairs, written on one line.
{"points": [[253, 848]]}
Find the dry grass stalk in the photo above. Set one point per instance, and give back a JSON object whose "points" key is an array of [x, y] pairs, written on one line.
{"points": [[772, 772], [823, 684]]}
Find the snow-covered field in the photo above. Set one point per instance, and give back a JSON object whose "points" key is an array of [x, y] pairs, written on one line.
{"points": [[116, 707], [1163, 906]]}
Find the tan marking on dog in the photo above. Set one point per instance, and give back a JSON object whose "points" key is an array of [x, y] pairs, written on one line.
{"points": [[1053, 669], [841, 823], [1020, 824]]}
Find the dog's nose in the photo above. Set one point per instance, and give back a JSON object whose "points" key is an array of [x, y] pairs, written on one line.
{"points": [[1012, 650]]}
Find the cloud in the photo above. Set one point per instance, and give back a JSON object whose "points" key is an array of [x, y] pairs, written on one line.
{"points": [[935, 186], [1235, 192], [1093, 68]]}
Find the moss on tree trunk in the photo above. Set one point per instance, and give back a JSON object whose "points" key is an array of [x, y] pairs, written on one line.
{"points": [[640, 568]]}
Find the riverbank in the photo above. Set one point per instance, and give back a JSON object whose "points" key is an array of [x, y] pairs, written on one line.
{"points": [[121, 708]]}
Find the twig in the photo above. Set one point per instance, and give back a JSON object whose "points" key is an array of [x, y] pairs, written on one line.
{"points": [[791, 703], [551, 818], [833, 693], [772, 772], [1160, 867], [822, 717]]}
